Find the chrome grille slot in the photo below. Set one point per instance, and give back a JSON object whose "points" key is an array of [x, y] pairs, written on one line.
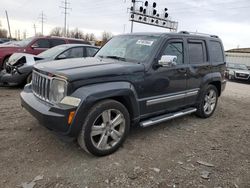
{"points": [[41, 85]]}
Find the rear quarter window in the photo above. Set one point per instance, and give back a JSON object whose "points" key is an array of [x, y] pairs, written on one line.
{"points": [[216, 52]]}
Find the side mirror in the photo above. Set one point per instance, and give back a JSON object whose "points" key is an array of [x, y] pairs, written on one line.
{"points": [[61, 56], [35, 45], [168, 61]]}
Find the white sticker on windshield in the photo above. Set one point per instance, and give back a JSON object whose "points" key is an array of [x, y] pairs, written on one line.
{"points": [[145, 42]]}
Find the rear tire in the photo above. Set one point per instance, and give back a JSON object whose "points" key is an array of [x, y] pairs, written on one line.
{"points": [[105, 128], [208, 102]]}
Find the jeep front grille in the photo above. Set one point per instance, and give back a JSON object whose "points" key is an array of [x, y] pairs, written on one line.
{"points": [[41, 85]]}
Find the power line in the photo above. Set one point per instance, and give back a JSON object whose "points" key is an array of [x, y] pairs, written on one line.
{"points": [[65, 7]]}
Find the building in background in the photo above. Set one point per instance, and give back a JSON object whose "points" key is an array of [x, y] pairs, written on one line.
{"points": [[238, 55]]}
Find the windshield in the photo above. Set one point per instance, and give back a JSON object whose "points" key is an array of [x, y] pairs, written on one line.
{"points": [[129, 48], [22, 43], [237, 66], [52, 51]]}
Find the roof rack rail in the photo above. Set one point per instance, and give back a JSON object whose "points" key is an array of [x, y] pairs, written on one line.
{"points": [[184, 32], [196, 33]]}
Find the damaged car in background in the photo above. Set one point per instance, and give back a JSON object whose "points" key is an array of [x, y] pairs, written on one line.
{"points": [[237, 72], [19, 67]]}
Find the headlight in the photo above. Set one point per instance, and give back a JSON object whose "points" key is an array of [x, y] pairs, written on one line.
{"points": [[58, 90]]}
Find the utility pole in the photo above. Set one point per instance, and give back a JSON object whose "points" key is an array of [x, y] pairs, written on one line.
{"points": [[132, 22], [42, 20], [124, 28], [34, 26], [65, 7], [8, 22]]}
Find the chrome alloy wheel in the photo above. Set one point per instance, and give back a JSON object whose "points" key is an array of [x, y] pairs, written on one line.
{"points": [[210, 101], [108, 129]]}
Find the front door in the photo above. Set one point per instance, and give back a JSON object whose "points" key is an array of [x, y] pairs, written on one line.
{"points": [[165, 87]]}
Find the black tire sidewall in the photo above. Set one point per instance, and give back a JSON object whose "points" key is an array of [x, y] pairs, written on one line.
{"points": [[29, 78], [200, 111], [5, 63], [93, 114]]}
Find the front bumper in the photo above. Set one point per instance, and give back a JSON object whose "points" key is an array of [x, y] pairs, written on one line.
{"points": [[12, 79], [53, 117]]}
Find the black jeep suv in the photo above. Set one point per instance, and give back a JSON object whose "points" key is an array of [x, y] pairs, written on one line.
{"points": [[143, 78]]}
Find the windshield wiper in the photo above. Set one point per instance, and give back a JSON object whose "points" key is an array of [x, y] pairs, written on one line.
{"points": [[114, 57]]}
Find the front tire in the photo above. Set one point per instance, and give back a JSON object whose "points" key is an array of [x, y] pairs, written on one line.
{"points": [[105, 128], [208, 103], [5, 63], [29, 79]]}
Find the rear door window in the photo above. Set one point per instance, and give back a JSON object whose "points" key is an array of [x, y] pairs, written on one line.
{"points": [[78, 42], [197, 52], [73, 53], [56, 42]]}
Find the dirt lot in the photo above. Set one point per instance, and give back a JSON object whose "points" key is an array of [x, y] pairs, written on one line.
{"points": [[160, 156]]}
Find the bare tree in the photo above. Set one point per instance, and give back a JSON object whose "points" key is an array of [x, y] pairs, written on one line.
{"points": [[92, 37], [76, 33], [86, 37], [106, 36], [3, 33], [57, 31]]}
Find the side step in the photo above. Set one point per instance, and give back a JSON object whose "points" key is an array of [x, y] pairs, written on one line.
{"points": [[166, 117]]}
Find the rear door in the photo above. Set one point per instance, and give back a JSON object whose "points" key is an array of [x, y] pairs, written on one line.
{"points": [[199, 66]]}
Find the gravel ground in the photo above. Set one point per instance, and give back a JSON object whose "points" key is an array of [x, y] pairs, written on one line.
{"points": [[185, 152]]}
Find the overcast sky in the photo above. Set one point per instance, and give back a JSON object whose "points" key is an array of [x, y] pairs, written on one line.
{"points": [[230, 19]]}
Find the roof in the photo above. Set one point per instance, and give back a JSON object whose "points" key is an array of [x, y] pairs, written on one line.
{"points": [[239, 50], [75, 45], [181, 33]]}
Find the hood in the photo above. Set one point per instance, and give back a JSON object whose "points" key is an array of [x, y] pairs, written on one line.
{"points": [[239, 71], [87, 68], [11, 48]]}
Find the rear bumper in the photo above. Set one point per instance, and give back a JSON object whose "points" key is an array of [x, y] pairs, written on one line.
{"points": [[53, 117]]}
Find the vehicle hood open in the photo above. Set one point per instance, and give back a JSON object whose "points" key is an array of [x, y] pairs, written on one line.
{"points": [[22, 58]]}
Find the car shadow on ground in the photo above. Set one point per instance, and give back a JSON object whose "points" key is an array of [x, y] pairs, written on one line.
{"points": [[239, 81]]}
